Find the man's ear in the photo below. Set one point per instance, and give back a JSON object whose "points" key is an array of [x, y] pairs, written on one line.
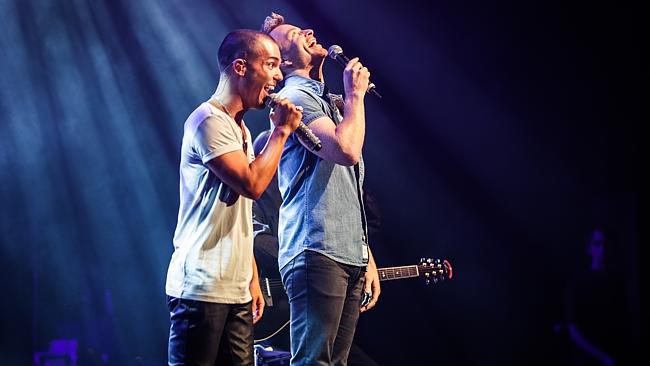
{"points": [[239, 66]]}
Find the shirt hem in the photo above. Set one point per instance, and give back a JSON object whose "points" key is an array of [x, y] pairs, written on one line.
{"points": [[212, 299], [334, 258]]}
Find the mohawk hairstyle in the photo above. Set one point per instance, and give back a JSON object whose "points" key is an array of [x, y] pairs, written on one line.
{"points": [[271, 22]]}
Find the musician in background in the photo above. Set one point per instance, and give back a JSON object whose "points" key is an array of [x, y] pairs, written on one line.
{"points": [[597, 316]]}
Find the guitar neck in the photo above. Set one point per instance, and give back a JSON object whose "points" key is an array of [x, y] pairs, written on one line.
{"points": [[395, 273], [432, 270]]}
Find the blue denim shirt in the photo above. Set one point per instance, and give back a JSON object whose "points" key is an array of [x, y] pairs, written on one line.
{"points": [[322, 209]]}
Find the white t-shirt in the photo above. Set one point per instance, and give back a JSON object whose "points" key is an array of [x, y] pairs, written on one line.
{"points": [[213, 243]]}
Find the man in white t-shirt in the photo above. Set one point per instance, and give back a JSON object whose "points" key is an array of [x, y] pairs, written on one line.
{"points": [[213, 289]]}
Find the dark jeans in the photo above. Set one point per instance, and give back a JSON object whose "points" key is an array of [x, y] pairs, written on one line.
{"points": [[324, 296], [208, 334]]}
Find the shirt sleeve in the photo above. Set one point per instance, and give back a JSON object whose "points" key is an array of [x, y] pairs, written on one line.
{"points": [[312, 108], [216, 136]]}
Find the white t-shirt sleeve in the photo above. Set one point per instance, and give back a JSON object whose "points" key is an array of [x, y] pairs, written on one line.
{"points": [[216, 136]]}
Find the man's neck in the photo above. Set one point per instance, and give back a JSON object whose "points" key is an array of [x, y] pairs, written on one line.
{"points": [[316, 73], [307, 75], [231, 102], [310, 72]]}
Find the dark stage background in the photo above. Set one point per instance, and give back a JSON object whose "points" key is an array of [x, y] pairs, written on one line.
{"points": [[506, 131]]}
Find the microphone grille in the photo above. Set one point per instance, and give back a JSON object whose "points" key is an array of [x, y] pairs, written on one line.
{"points": [[334, 51]]}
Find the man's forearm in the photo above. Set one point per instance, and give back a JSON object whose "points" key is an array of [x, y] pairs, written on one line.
{"points": [[371, 259], [351, 132], [256, 276], [263, 168]]}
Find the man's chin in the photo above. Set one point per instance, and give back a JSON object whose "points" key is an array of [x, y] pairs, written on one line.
{"points": [[318, 51], [254, 106], [317, 58], [260, 102]]}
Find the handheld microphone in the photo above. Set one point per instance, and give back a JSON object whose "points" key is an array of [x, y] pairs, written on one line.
{"points": [[335, 52], [304, 133]]}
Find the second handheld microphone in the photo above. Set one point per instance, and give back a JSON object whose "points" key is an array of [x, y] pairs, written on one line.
{"points": [[335, 52], [304, 133]]}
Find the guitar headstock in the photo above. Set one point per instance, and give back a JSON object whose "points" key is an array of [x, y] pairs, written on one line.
{"points": [[435, 270]]}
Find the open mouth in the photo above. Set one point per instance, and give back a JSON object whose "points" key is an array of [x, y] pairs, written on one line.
{"points": [[312, 43], [269, 89]]}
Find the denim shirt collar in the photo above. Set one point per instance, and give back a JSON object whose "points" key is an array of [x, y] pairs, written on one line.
{"points": [[311, 84]]}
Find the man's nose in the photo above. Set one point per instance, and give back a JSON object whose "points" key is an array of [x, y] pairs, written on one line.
{"points": [[278, 75]]}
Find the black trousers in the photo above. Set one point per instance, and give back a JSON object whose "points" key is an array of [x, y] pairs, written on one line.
{"points": [[209, 334], [324, 297]]}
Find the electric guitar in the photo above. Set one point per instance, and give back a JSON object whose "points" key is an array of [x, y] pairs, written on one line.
{"points": [[276, 311]]}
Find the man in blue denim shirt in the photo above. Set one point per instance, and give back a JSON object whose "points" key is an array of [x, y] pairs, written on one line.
{"points": [[324, 257]]}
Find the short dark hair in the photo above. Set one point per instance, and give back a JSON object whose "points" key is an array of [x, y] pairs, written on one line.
{"points": [[240, 43]]}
